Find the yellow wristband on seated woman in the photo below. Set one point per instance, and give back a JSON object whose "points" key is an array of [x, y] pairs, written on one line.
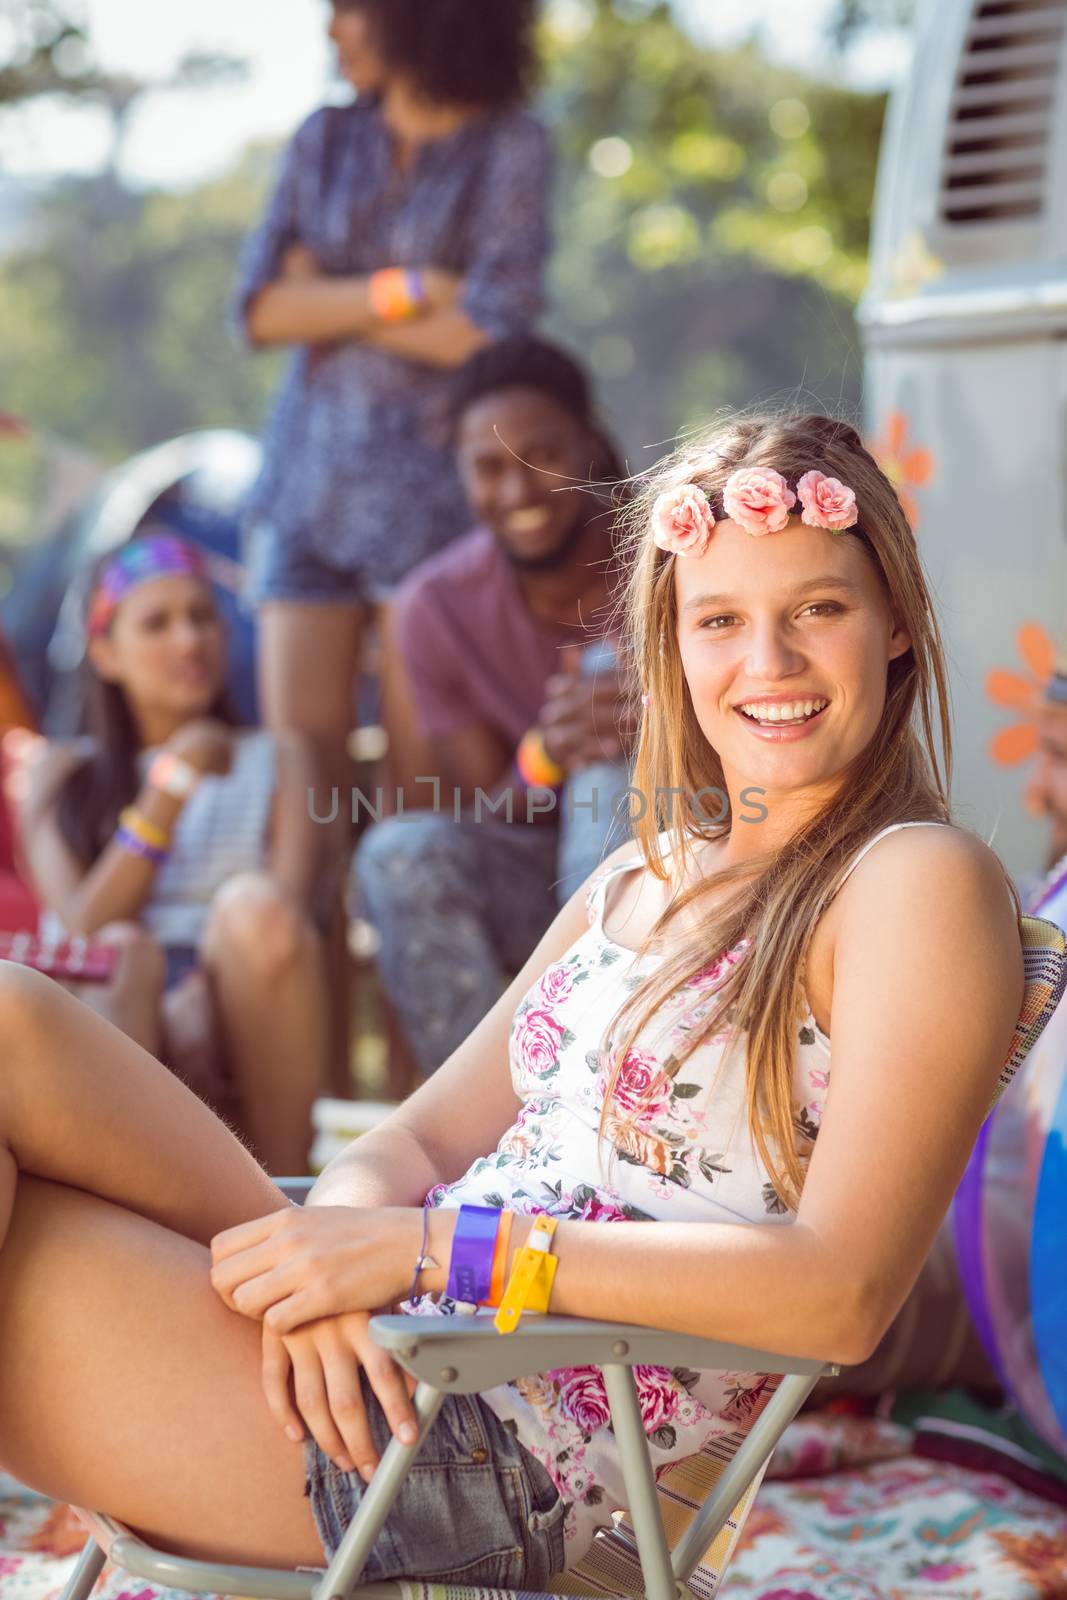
{"points": [[532, 1275], [144, 828]]}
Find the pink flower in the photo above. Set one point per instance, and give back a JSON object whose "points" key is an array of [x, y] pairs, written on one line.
{"points": [[682, 521], [711, 976], [942, 1571], [537, 1039], [658, 1394], [827, 502], [556, 985], [635, 1087], [788, 1594], [583, 1397], [758, 499], [597, 1210]]}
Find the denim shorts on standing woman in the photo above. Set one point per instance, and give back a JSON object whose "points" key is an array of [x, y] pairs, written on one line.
{"points": [[475, 1508]]}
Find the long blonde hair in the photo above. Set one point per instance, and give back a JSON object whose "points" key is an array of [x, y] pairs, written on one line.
{"points": [[773, 905]]}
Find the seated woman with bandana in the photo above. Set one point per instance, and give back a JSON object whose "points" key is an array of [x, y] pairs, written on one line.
{"points": [[186, 840]]}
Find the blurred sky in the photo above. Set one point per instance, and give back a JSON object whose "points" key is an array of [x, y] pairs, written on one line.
{"points": [[180, 139]]}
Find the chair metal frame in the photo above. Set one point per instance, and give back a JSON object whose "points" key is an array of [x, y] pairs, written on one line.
{"points": [[450, 1360], [467, 1355]]}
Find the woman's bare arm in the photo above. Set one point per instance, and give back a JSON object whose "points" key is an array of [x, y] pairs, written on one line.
{"points": [[927, 991], [458, 1114], [445, 338], [304, 305], [116, 886], [309, 310]]}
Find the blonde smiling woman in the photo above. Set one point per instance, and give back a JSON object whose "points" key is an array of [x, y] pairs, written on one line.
{"points": [[663, 1062]]}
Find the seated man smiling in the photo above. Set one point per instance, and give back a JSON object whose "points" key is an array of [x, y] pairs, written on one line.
{"points": [[516, 683]]}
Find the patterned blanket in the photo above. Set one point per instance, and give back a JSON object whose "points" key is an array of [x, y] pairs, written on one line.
{"points": [[847, 1512]]}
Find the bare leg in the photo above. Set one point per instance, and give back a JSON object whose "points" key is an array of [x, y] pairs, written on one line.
{"points": [[266, 969], [132, 999], [127, 1386], [309, 663], [409, 756], [310, 657], [125, 1383], [192, 1041], [81, 1104]]}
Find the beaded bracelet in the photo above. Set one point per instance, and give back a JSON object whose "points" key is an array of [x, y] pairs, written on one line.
{"points": [[422, 1260], [137, 847], [143, 828]]}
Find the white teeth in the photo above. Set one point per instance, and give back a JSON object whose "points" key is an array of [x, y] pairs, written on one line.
{"points": [[527, 521], [783, 711]]}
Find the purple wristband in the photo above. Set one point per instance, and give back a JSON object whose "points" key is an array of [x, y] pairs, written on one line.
{"points": [[137, 847], [470, 1267]]}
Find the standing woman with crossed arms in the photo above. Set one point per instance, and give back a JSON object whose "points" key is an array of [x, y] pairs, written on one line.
{"points": [[407, 229]]}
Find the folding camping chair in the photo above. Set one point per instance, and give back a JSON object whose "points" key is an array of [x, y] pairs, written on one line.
{"points": [[700, 1503]]}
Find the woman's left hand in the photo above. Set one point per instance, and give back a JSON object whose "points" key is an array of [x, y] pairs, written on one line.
{"points": [[303, 1263]]}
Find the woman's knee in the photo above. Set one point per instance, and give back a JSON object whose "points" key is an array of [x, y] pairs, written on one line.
{"points": [[254, 921], [24, 1000]]}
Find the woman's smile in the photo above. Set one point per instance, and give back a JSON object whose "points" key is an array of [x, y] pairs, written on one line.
{"points": [[780, 717]]}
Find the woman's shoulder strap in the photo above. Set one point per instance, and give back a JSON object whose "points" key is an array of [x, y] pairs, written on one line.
{"points": [[926, 822]]}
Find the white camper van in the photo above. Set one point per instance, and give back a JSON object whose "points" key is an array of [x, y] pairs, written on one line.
{"points": [[965, 324]]}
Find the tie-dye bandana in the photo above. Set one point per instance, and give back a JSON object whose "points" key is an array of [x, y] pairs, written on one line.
{"points": [[160, 555]]}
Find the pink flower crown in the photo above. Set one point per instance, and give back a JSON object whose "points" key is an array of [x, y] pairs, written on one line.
{"points": [[758, 499]]}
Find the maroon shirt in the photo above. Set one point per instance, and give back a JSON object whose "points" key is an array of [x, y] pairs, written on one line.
{"points": [[474, 652]]}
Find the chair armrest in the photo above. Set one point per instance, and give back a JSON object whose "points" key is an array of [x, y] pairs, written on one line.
{"points": [[462, 1355]]}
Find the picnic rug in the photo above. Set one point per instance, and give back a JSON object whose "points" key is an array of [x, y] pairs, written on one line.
{"points": [[849, 1511]]}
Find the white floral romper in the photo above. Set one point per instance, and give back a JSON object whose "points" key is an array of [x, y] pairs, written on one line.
{"points": [[678, 1149]]}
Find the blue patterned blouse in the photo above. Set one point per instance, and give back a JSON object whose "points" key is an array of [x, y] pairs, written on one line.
{"points": [[356, 473]]}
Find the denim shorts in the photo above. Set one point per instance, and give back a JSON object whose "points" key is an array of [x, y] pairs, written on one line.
{"points": [[475, 1508], [280, 568]]}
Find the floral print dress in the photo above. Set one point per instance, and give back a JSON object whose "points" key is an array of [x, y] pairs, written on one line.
{"points": [[678, 1148]]}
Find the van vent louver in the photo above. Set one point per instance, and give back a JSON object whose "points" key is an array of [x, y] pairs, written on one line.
{"points": [[996, 154]]}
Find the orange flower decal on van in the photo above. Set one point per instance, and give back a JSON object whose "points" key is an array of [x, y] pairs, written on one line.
{"points": [[906, 467], [1021, 692]]}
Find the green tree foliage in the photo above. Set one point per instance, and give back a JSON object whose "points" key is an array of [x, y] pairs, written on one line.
{"points": [[711, 230], [115, 328], [713, 218], [852, 17], [44, 51]]}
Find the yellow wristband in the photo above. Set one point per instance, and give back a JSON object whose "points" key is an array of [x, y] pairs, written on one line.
{"points": [[144, 828], [541, 1290], [532, 1274]]}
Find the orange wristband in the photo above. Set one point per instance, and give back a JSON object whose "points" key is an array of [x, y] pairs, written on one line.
{"points": [[392, 294], [535, 766], [500, 1261]]}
